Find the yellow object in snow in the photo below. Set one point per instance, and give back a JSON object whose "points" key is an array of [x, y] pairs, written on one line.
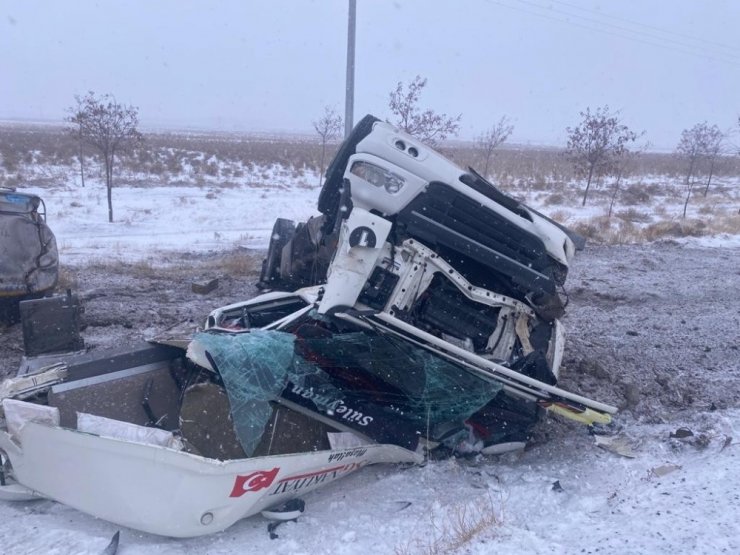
{"points": [[586, 416]]}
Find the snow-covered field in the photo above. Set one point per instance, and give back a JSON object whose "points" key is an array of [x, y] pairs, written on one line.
{"points": [[563, 495], [156, 219], [153, 220]]}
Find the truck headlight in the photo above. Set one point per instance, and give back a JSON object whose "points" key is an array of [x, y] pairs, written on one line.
{"points": [[380, 177]]}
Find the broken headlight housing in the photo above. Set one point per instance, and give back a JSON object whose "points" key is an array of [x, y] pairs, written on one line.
{"points": [[380, 177]]}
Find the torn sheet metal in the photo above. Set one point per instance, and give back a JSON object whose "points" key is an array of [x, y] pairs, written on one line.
{"points": [[29, 260]]}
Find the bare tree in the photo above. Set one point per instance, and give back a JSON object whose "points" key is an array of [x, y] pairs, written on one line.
{"points": [[492, 138], [713, 149], [427, 125], [77, 133], [107, 126], [328, 126], [597, 143], [700, 143]]}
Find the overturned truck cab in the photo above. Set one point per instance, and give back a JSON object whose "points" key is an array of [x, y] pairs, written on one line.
{"points": [[417, 316], [411, 245]]}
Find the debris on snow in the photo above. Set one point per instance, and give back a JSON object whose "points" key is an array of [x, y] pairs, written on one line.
{"points": [[620, 445]]}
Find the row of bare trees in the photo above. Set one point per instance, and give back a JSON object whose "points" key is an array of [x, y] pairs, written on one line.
{"points": [[700, 146], [599, 146], [109, 127]]}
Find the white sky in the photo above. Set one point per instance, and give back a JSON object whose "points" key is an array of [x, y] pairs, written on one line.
{"points": [[273, 65]]}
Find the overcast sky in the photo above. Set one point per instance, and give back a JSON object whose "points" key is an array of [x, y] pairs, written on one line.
{"points": [[273, 65]]}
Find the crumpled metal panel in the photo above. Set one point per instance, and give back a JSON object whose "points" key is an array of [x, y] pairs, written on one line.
{"points": [[29, 260]]}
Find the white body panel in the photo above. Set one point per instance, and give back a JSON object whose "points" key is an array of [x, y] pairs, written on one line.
{"points": [[432, 166], [361, 242], [163, 491]]}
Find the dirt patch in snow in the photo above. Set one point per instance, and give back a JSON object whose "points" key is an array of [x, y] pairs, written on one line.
{"points": [[653, 329], [130, 302]]}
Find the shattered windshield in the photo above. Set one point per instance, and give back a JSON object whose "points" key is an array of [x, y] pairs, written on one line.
{"points": [[362, 381]]}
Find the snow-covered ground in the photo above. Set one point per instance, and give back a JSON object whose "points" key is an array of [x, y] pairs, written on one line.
{"points": [[564, 495], [672, 498], [152, 220], [149, 220]]}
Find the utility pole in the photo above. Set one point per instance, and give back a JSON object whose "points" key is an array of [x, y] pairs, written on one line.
{"points": [[349, 99]]}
